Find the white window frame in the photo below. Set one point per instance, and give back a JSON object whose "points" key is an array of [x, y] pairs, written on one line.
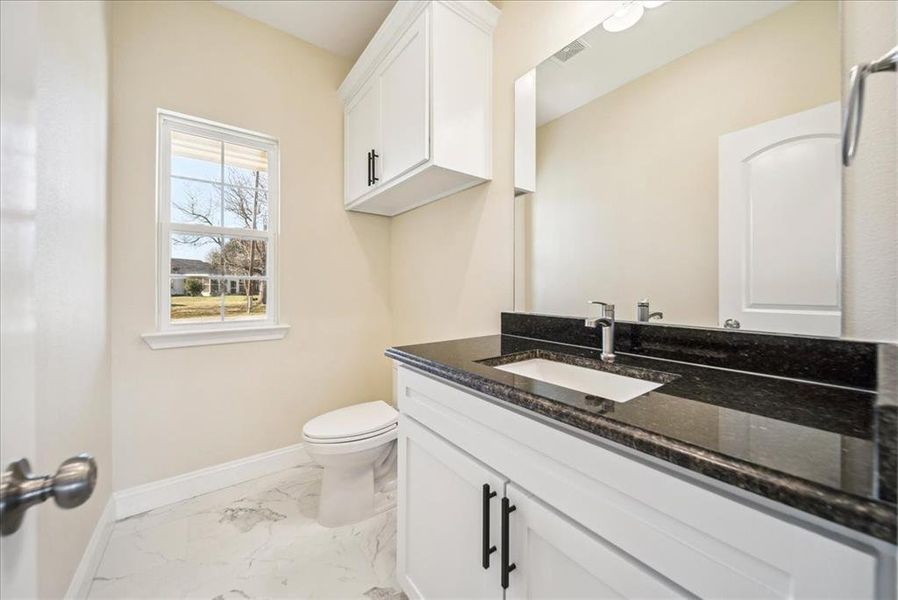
{"points": [[171, 334]]}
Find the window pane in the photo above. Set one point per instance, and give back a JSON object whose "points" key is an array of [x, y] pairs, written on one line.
{"points": [[196, 255], [195, 202], [215, 184], [195, 299], [246, 208], [194, 156], [245, 166], [246, 299], [244, 257]]}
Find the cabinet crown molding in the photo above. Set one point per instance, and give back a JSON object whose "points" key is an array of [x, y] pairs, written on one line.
{"points": [[479, 12]]}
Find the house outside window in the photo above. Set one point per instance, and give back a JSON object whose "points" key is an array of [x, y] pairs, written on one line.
{"points": [[218, 201]]}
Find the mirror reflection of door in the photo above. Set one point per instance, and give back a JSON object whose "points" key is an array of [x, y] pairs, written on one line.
{"points": [[780, 223]]}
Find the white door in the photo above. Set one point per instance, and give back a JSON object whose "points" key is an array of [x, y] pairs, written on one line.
{"points": [[780, 224], [555, 557], [361, 136], [441, 519], [54, 353], [404, 102], [18, 20]]}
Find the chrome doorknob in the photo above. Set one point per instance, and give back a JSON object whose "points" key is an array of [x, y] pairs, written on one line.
{"points": [[732, 324], [71, 486]]}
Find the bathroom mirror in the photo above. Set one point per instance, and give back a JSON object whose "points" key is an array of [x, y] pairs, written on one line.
{"points": [[687, 154]]}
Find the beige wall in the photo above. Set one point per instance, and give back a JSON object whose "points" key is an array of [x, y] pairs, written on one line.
{"points": [[55, 363], [626, 201], [452, 261], [446, 268], [182, 409], [870, 291]]}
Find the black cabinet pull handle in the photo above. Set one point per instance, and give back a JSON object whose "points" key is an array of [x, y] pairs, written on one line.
{"points": [[485, 513], [374, 157], [507, 509], [369, 169]]}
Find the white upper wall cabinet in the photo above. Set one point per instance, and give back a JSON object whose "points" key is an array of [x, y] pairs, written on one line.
{"points": [[418, 107]]}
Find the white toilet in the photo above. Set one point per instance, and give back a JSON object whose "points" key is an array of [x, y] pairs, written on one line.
{"points": [[356, 446]]}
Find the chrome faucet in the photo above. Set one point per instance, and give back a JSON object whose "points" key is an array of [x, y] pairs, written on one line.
{"points": [[606, 322], [642, 312]]}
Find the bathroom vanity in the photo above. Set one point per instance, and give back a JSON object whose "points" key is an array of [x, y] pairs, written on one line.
{"points": [[716, 483], [714, 428]]}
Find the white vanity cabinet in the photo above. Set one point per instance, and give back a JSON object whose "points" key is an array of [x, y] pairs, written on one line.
{"points": [[586, 520], [564, 560], [418, 107], [444, 546], [444, 489]]}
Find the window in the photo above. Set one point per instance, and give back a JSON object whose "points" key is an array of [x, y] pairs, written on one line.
{"points": [[217, 228]]}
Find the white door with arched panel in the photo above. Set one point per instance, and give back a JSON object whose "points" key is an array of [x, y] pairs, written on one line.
{"points": [[780, 222]]}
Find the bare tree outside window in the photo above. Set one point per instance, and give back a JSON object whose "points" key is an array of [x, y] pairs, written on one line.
{"points": [[245, 205]]}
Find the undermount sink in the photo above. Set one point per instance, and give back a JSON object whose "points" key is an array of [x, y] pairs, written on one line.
{"points": [[603, 384]]}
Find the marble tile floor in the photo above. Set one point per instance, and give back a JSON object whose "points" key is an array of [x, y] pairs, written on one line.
{"points": [[257, 539]]}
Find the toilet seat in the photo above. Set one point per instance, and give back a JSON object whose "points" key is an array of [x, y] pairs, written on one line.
{"points": [[349, 446], [349, 438], [352, 424]]}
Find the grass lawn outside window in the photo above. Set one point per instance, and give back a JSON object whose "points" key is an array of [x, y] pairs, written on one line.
{"points": [[209, 307]]}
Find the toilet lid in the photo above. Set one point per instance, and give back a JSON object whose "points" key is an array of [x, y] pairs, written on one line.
{"points": [[352, 421]]}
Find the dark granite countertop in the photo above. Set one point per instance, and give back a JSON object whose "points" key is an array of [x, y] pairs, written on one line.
{"points": [[810, 446]]}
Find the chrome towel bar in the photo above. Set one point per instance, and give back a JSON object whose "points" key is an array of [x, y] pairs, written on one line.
{"points": [[854, 109]]}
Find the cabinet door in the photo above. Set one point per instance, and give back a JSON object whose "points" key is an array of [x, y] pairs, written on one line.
{"points": [[404, 103], [441, 519], [555, 557], [361, 135]]}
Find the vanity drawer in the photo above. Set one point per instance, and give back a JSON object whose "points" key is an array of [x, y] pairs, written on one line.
{"points": [[710, 545]]}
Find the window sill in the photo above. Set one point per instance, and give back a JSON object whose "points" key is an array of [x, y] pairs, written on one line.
{"points": [[208, 337]]}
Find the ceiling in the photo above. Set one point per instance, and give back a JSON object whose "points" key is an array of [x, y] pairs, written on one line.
{"points": [[344, 27], [661, 36]]}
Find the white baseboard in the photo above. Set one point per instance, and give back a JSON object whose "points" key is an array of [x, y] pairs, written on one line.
{"points": [[160, 493], [79, 587]]}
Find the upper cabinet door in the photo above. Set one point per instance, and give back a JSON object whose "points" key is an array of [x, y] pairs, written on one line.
{"points": [[361, 136], [432, 64], [404, 88]]}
